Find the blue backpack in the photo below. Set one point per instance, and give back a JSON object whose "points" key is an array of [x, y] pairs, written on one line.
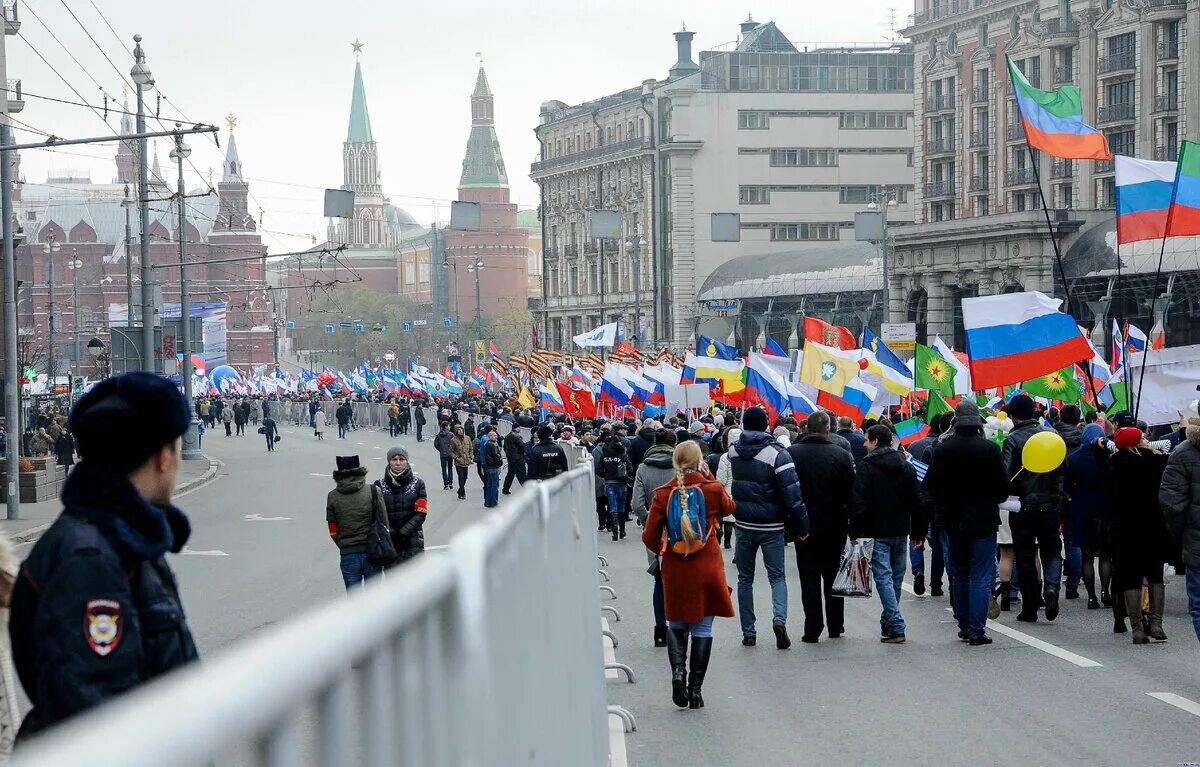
{"points": [[687, 502]]}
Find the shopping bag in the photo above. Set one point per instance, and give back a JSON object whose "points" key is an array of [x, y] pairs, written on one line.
{"points": [[853, 578]]}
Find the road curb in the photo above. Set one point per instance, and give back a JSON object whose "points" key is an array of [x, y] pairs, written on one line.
{"points": [[210, 475]]}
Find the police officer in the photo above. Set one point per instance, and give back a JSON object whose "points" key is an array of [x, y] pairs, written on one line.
{"points": [[95, 608]]}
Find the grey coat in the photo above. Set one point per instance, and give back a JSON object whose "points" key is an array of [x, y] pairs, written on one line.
{"points": [[1179, 496], [655, 471]]}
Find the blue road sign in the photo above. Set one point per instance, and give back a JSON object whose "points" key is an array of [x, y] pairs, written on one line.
{"points": [[346, 324], [407, 326], [291, 324], [360, 327], [329, 328], [447, 322]]}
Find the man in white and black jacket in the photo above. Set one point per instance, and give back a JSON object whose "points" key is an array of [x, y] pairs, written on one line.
{"points": [[766, 489]]}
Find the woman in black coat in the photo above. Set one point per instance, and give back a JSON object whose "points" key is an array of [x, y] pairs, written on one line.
{"points": [[406, 501], [1140, 541], [64, 448]]}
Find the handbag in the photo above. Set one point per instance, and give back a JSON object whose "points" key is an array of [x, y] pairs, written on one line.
{"points": [[380, 549], [278, 437], [262, 429]]}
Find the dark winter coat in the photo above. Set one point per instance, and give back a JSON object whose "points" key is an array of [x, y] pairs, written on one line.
{"points": [[493, 458], [420, 416], [858, 443], [1085, 484], [1180, 497], [343, 413], [694, 586], [886, 504], [469, 427], [514, 447], [765, 487], [614, 466], [546, 460], [826, 474], [639, 445], [64, 448], [1135, 520], [1039, 493], [967, 484], [350, 510], [406, 502], [95, 607], [920, 449], [441, 442], [1071, 433]]}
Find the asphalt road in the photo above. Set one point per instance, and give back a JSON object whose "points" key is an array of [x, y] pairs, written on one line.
{"points": [[1068, 692]]}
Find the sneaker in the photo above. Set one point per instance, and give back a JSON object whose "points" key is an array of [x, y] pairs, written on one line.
{"points": [[748, 640], [782, 641], [505, 492], [980, 640], [1051, 606], [893, 639], [1027, 617], [919, 585], [835, 634], [806, 639]]}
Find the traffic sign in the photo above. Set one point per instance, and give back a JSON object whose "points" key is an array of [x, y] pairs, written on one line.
{"points": [[360, 327], [420, 323], [407, 326], [291, 324], [329, 328], [447, 322], [346, 324]]}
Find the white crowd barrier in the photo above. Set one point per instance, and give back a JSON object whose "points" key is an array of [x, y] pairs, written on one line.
{"points": [[485, 654]]}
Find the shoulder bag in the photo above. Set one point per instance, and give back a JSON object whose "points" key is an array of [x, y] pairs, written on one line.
{"points": [[380, 549]]}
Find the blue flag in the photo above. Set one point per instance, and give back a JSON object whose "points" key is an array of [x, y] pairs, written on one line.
{"points": [[710, 347], [774, 349]]}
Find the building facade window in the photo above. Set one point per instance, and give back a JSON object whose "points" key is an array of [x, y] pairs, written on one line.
{"points": [[788, 232], [753, 120], [873, 120], [754, 195], [805, 158]]}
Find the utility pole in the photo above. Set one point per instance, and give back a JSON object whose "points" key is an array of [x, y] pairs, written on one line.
{"points": [[12, 372], [75, 264], [128, 263], [191, 438], [49, 248], [144, 80]]}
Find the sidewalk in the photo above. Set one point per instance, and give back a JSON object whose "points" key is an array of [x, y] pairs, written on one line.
{"points": [[36, 517]]}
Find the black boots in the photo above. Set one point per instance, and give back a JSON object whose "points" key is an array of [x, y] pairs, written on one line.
{"points": [[660, 636], [677, 653], [1005, 596], [701, 651]]}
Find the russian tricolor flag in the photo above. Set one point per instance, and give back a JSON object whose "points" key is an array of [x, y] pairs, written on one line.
{"points": [[1143, 197], [802, 407], [614, 388], [550, 400], [854, 403], [765, 387], [1017, 337]]}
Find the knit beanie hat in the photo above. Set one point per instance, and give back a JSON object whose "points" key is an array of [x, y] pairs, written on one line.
{"points": [[397, 451], [1127, 436], [755, 419]]}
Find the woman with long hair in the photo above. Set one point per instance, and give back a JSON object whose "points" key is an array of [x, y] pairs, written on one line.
{"points": [[683, 529]]}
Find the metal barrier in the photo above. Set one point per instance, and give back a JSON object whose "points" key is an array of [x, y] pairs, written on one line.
{"points": [[487, 654]]}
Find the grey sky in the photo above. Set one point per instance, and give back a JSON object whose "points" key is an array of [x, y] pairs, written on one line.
{"points": [[285, 69]]}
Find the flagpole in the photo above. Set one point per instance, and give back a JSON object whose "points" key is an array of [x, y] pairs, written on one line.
{"points": [[1154, 298]]}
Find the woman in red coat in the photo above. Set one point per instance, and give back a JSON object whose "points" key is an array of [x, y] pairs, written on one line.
{"points": [[683, 531]]}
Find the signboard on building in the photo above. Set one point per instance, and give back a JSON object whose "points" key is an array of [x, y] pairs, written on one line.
{"points": [[868, 226], [726, 227], [481, 353], [465, 216], [899, 336], [447, 322], [722, 308], [606, 224]]}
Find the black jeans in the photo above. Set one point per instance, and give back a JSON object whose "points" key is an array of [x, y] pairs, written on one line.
{"points": [[228, 432], [516, 470], [419, 436], [241, 430], [462, 478], [817, 562], [447, 472], [1032, 529]]}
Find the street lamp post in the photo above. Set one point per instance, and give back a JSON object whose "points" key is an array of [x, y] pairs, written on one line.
{"points": [[49, 248], [635, 253], [74, 265], [191, 439], [880, 203], [127, 204], [145, 81]]}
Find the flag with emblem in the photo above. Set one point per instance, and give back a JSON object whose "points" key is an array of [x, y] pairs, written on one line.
{"points": [[578, 403], [828, 369], [1058, 385], [817, 329], [931, 371], [711, 347]]}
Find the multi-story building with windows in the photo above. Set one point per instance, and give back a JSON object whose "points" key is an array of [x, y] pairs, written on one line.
{"points": [[795, 141], [981, 228]]}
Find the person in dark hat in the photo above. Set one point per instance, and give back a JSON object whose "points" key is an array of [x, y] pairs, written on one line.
{"points": [[98, 577], [1035, 528], [350, 508]]}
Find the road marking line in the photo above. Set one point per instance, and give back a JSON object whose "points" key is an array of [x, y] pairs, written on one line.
{"points": [[1038, 644], [261, 518], [1178, 701], [210, 553], [437, 548]]}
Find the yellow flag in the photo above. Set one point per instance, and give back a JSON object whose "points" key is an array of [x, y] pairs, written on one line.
{"points": [[525, 399], [828, 369]]}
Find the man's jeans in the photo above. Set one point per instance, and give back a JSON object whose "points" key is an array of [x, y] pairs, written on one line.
{"points": [[698, 630], [312, 419], [516, 470], [937, 563], [615, 493], [746, 552], [887, 565], [342, 429], [1193, 594], [420, 438], [491, 488], [356, 568], [447, 472], [1032, 530], [972, 564]]}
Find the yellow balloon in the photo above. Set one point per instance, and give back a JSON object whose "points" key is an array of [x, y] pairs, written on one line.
{"points": [[1002, 415], [1044, 452]]}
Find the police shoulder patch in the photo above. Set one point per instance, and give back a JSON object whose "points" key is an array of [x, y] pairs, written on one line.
{"points": [[103, 625]]}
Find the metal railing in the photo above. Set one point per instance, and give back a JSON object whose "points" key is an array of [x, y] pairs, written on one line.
{"points": [[10, 12], [1015, 132], [1062, 27], [980, 138], [1019, 177], [1166, 102], [979, 184], [980, 94], [939, 145], [1166, 153], [1062, 169], [944, 103], [939, 189], [1168, 49], [1117, 63], [1102, 166], [1063, 75], [489, 654], [1116, 113]]}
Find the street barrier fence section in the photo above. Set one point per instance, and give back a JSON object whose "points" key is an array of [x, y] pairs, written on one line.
{"points": [[487, 653]]}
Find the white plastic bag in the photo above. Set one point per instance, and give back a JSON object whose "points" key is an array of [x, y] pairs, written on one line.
{"points": [[854, 571]]}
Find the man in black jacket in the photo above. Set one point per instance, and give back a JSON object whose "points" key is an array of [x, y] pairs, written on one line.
{"points": [[770, 508], [546, 458], [967, 483], [887, 508], [514, 451], [1035, 528], [343, 413], [419, 420], [826, 475], [95, 608]]}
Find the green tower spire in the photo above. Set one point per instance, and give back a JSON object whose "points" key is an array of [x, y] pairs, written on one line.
{"points": [[483, 166], [359, 131]]}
